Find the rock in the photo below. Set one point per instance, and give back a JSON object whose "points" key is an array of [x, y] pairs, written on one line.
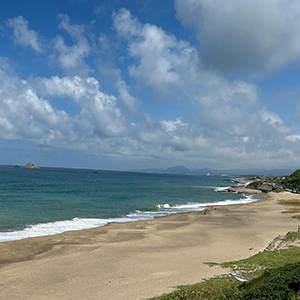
{"points": [[243, 190], [30, 165]]}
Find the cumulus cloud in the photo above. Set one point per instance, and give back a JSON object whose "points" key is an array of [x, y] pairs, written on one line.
{"points": [[95, 105], [173, 67], [27, 114], [226, 122], [23, 35], [224, 127], [162, 59], [71, 58], [249, 37], [24, 115]]}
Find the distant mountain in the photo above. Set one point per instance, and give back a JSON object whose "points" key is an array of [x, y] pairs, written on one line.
{"points": [[203, 171], [150, 170], [258, 172], [215, 172], [178, 170]]}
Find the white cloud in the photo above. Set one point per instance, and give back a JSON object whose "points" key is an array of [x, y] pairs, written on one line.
{"points": [[71, 58], [173, 68], [226, 123], [223, 125], [171, 126], [124, 95], [161, 59], [24, 115], [95, 105], [250, 37], [23, 35]]}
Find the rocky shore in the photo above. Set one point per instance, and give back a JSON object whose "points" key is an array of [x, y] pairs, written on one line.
{"points": [[242, 190]]}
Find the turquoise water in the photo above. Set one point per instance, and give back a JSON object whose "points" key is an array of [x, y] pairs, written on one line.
{"points": [[46, 201]]}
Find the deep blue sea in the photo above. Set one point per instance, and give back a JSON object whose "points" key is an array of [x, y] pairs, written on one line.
{"points": [[45, 201]]}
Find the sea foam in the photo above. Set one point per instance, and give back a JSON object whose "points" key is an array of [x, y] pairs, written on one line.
{"points": [[51, 228]]}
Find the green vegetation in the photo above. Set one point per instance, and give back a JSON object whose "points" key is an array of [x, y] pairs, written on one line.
{"points": [[276, 184], [295, 209], [279, 283], [254, 184], [292, 236], [266, 184], [255, 265], [209, 289], [292, 181], [294, 202], [273, 274]]}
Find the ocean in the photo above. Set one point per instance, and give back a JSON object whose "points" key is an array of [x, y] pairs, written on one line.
{"points": [[46, 201]]}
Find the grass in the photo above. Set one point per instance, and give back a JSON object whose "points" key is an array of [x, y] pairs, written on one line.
{"points": [[292, 236], [208, 289], [293, 210], [253, 267], [295, 202]]}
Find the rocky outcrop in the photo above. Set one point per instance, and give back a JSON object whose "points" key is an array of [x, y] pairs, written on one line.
{"points": [[242, 190], [30, 165]]}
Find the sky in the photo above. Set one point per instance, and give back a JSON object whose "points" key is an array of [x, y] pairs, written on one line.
{"points": [[134, 84]]}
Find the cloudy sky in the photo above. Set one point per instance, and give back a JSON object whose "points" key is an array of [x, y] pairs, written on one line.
{"points": [[111, 84]]}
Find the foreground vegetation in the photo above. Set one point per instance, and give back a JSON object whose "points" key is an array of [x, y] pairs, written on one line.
{"points": [[273, 274]]}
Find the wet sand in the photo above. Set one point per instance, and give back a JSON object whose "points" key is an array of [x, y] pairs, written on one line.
{"points": [[141, 259]]}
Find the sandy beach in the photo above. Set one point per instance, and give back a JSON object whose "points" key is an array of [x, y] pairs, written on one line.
{"points": [[141, 259]]}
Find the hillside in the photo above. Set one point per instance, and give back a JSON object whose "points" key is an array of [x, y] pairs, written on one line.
{"points": [[293, 181]]}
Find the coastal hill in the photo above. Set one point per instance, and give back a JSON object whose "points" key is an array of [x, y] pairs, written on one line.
{"points": [[267, 184], [30, 165], [292, 181]]}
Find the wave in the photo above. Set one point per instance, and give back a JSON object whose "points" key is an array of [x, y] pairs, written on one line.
{"points": [[200, 206], [221, 189], [51, 228]]}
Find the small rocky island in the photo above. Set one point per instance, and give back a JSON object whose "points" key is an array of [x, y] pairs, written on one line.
{"points": [[30, 165]]}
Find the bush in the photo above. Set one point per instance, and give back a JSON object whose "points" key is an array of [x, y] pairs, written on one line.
{"points": [[281, 283], [255, 184]]}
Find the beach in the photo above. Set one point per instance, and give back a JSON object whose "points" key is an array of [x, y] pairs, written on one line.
{"points": [[141, 259]]}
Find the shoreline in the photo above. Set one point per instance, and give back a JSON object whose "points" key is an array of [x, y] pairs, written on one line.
{"points": [[78, 223], [141, 259]]}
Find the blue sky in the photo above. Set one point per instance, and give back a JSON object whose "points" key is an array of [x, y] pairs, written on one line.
{"points": [[142, 84]]}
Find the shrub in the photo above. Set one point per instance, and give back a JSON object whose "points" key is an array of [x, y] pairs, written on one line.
{"points": [[281, 283]]}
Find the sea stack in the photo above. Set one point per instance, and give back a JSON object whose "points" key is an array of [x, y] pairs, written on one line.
{"points": [[30, 165]]}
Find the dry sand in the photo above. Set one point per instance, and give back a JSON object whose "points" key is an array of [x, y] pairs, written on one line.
{"points": [[141, 259]]}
